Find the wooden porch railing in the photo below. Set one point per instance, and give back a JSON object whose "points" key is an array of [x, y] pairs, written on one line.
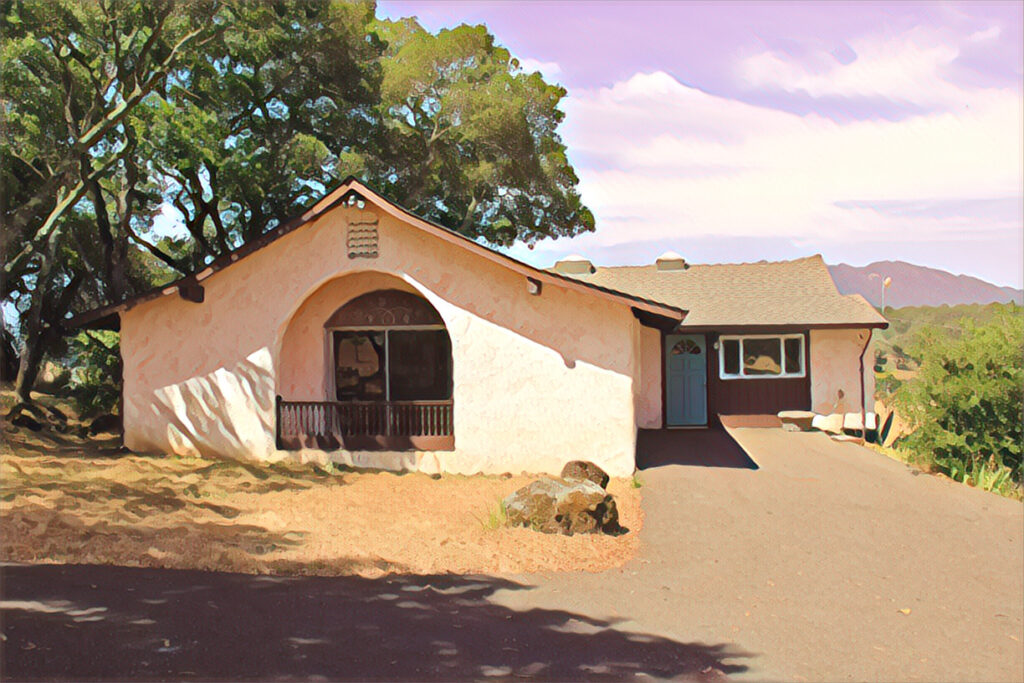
{"points": [[365, 425]]}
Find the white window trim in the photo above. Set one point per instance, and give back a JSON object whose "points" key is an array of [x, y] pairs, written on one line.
{"points": [[722, 374]]}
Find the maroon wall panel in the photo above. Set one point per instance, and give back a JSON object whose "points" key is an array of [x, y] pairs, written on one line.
{"points": [[755, 396]]}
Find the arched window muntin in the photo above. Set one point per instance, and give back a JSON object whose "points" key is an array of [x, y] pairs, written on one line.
{"points": [[388, 346], [686, 346]]}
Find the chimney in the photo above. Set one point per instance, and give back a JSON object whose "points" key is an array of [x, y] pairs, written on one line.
{"points": [[574, 265], [670, 260]]}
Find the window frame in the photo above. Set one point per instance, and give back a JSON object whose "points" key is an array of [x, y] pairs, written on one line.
{"points": [[331, 355], [782, 337]]}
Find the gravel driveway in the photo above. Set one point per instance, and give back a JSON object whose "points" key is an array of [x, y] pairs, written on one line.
{"points": [[830, 562]]}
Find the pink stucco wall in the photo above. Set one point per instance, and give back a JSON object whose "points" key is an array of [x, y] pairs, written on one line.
{"points": [[835, 371], [649, 413], [538, 380]]}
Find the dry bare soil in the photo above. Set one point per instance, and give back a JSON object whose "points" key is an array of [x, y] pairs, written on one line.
{"points": [[65, 499]]}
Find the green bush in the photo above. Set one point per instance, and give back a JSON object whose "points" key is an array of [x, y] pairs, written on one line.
{"points": [[886, 384], [95, 361], [965, 403]]}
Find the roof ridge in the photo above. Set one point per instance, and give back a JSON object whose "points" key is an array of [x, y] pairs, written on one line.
{"points": [[763, 262]]}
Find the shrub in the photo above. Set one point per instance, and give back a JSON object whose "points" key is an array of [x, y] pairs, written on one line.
{"points": [[965, 402], [95, 383]]}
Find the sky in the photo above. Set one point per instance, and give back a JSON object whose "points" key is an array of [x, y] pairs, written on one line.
{"points": [[742, 131]]}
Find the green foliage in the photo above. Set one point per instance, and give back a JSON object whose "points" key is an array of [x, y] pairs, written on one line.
{"points": [[238, 115], [965, 403], [471, 138], [886, 383], [905, 323], [95, 372], [636, 482]]}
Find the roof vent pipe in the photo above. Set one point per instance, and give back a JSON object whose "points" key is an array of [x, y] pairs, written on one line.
{"points": [[574, 265], [670, 260]]}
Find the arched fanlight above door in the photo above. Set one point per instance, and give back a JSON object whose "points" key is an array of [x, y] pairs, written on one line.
{"points": [[684, 346]]}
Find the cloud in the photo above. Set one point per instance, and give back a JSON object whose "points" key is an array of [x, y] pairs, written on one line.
{"points": [[912, 67], [549, 69], [661, 161]]}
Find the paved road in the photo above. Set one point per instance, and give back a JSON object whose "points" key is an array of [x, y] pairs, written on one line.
{"points": [[805, 563], [796, 571]]}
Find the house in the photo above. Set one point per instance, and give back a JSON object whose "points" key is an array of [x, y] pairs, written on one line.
{"points": [[362, 333]]}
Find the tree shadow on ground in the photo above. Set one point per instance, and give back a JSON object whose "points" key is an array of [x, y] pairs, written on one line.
{"points": [[131, 510], [99, 622], [52, 442]]}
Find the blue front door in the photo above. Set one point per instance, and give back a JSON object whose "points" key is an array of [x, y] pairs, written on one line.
{"points": [[686, 399]]}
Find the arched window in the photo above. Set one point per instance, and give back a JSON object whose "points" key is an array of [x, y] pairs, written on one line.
{"points": [[387, 346], [686, 346]]}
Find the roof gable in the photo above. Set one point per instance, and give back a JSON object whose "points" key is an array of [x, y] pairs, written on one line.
{"points": [[190, 286]]}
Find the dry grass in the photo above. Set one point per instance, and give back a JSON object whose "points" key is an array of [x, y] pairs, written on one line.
{"points": [[68, 500]]}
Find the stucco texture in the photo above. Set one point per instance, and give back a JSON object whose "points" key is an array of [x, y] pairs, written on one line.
{"points": [[835, 371], [538, 380], [648, 411]]}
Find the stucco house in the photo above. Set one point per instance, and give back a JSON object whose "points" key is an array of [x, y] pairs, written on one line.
{"points": [[361, 333]]}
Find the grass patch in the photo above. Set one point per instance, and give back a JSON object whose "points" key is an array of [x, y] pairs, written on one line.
{"points": [[636, 482], [988, 477], [497, 517]]}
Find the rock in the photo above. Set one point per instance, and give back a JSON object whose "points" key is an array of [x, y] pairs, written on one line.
{"points": [[105, 423], [557, 506], [833, 424], [797, 420], [582, 469], [26, 422], [851, 422]]}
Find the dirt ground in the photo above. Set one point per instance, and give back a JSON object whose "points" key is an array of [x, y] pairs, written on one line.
{"points": [[64, 499]]}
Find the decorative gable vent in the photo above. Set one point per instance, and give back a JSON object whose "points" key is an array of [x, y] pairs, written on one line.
{"points": [[362, 239], [670, 260]]}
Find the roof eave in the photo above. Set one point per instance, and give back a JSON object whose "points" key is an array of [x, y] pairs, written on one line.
{"points": [[781, 327], [328, 202]]}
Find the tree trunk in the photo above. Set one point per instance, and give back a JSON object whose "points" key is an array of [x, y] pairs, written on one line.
{"points": [[31, 359], [114, 273], [9, 360]]}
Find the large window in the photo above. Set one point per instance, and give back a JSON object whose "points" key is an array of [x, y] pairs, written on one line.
{"points": [[761, 356], [390, 345], [392, 365]]}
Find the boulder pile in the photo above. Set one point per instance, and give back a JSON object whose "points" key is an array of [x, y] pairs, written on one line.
{"points": [[575, 503]]}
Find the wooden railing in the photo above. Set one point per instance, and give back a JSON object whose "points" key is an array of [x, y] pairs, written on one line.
{"points": [[365, 425]]}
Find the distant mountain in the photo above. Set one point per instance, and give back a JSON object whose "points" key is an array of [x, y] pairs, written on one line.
{"points": [[918, 286]]}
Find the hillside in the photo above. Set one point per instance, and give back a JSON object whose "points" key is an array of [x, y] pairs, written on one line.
{"points": [[905, 323], [894, 354], [918, 285]]}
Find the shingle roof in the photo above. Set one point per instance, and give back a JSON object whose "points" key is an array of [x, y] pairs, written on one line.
{"points": [[780, 293]]}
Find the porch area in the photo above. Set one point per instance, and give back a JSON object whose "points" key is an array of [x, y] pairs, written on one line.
{"points": [[365, 425]]}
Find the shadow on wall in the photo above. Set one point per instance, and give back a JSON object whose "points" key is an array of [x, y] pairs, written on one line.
{"points": [[230, 411], [567, 322], [109, 622]]}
